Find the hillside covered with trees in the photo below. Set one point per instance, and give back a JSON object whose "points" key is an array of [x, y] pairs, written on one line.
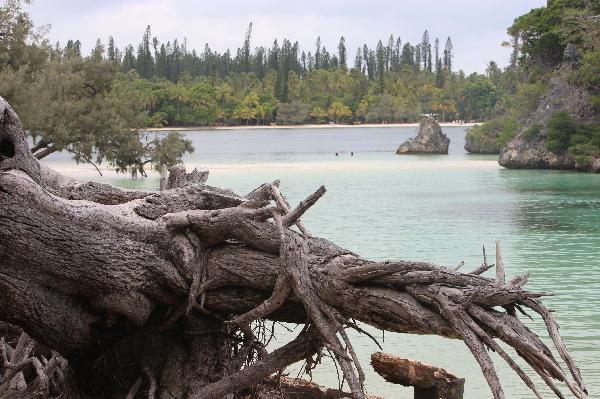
{"points": [[549, 117]]}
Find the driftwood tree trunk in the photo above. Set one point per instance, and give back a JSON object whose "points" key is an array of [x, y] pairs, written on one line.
{"points": [[154, 294], [430, 382]]}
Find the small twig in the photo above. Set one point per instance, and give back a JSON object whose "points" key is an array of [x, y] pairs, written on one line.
{"points": [[500, 274], [199, 281], [552, 327], [134, 388], [152, 382], [461, 264], [283, 204], [477, 349], [496, 348], [280, 358], [93, 164], [545, 377], [350, 348], [518, 281], [484, 266], [522, 311], [305, 205], [337, 370], [280, 293], [355, 326], [271, 335], [279, 223], [200, 276]]}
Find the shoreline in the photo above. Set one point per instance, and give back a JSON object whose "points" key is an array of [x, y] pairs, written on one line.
{"points": [[109, 173], [309, 126]]}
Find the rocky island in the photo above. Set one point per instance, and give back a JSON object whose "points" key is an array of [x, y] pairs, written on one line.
{"points": [[429, 140], [546, 139], [484, 138], [481, 144]]}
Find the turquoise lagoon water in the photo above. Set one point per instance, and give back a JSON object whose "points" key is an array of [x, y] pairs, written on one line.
{"points": [[440, 208]]}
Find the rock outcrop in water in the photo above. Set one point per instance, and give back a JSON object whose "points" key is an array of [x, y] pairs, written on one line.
{"points": [[429, 140], [481, 144], [528, 150]]}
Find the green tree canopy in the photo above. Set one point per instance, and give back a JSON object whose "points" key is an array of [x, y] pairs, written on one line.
{"points": [[71, 103], [544, 32]]}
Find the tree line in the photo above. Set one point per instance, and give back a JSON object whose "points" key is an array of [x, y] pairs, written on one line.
{"points": [[393, 82], [154, 59]]}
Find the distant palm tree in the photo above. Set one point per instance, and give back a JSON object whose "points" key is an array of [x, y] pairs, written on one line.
{"points": [[223, 93], [149, 98], [179, 93]]}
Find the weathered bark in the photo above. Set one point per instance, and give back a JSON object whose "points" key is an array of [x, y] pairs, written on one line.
{"points": [[154, 293]]}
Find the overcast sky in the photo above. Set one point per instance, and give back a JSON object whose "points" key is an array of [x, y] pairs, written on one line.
{"points": [[477, 27]]}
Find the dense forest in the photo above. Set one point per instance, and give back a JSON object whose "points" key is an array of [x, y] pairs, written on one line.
{"points": [[556, 104], [172, 85], [393, 82]]}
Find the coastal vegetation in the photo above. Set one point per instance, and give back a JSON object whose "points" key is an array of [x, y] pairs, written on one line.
{"points": [[60, 92], [556, 99], [511, 110], [566, 134], [75, 103], [392, 82]]}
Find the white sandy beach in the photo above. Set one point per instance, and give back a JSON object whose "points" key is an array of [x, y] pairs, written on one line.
{"points": [[323, 126], [83, 171]]}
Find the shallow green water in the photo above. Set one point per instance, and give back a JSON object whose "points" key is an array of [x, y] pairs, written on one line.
{"points": [[436, 208]]}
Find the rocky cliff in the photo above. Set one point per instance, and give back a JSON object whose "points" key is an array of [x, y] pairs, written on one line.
{"points": [[429, 140], [528, 150]]}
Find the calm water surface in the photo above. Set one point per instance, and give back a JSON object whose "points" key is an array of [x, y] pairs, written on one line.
{"points": [[436, 208]]}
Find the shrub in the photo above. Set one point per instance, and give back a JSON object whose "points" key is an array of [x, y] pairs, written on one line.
{"points": [[294, 113], [528, 97], [500, 129], [583, 160], [595, 101], [560, 129], [480, 140], [580, 140], [585, 144], [587, 75], [533, 131], [507, 128]]}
